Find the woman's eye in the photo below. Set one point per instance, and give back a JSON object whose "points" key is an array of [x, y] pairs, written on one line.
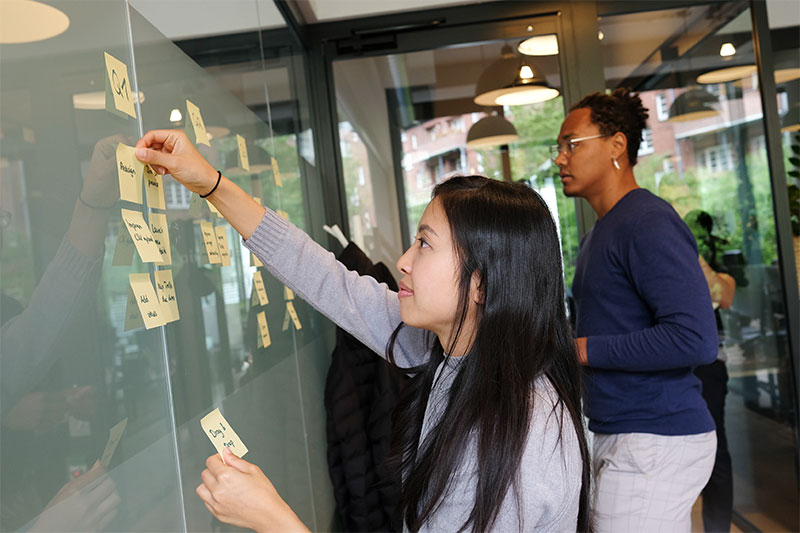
{"points": [[423, 243]]}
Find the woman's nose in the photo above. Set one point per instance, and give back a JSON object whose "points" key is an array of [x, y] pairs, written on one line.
{"points": [[404, 263]]}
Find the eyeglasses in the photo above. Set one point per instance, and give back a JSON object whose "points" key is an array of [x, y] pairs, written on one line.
{"points": [[569, 147]]}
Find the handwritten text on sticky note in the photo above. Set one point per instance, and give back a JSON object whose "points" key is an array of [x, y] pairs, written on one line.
{"points": [[221, 434]]}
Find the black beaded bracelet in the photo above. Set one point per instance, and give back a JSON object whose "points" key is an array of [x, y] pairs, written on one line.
{"points": [[219, 178]]}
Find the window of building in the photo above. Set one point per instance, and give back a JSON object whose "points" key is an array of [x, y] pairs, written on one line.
{"points": [[646, 147], [718, 158], [662, 109]]}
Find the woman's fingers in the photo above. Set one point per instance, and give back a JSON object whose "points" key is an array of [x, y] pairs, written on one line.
{"points": [[234, 461]]}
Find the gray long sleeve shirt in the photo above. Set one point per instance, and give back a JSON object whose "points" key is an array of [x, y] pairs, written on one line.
{"points": [[549, 479]]}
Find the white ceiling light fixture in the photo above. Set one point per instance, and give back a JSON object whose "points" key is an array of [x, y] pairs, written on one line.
{"points": [[727, 50], [27, 21], [727, 74], [492, 130], [508, 81], [540, 45], [175, 115]]}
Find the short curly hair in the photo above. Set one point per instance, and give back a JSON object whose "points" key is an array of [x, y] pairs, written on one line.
{"points": [[621, 111]]}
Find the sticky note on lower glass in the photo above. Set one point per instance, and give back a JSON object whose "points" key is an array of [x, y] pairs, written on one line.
{"points": [[255, 261], [222, 245], [276, 172], [210, 241], [129, 173], [263, 329], [198, 126], [258, 286], [115, 434], [168, 300], [288, 294], [221, 434], [160, 230], [244, 162], [123, 249], [141, 236], [293, 314], [154, 188], [118, 87], [146, 299]]}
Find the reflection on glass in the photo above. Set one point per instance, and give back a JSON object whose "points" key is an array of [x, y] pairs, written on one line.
{"points": [[715, 163], [428, 101], [99, 416]]}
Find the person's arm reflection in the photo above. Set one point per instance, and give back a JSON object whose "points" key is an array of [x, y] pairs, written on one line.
{"points": [[29, 348], [27, 340]]}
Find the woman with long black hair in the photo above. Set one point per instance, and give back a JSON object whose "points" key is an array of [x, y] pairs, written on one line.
{"points": [[491, 435]]}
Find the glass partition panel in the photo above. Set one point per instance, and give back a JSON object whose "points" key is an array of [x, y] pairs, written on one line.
{"points": [[87, 435], [413, 119], [704, 152]]}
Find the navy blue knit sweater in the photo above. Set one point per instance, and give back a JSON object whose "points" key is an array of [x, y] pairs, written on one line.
{"points": [[644, 305]]}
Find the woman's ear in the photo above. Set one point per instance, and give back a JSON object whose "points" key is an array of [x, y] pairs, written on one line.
{"points": [[476, 292]]}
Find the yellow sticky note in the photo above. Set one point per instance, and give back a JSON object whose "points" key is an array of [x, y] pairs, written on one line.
{"points": [[147, 300], [141, 236], [200, 134], [258, 200], [276, 172], [221, 434], [258, 285], [118, 85], [165, 288], [288, 294], [115, 434], [124, 248], [286, 319], [222, 245], [210, 240], [263, 329], [133, 318], [255, 261], [283, 214], [154, 186], [129, 173], [160, 230], [293, 313], [244, 162]]}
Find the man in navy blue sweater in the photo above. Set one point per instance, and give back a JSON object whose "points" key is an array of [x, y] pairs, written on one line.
{"points": [[644, 321]]}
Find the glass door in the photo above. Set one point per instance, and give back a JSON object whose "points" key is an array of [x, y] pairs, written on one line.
{"points": [[490, 105], [704, 152]]}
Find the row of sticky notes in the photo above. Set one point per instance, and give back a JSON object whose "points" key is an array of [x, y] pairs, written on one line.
{"points": [[156, 306], [119, 91]]}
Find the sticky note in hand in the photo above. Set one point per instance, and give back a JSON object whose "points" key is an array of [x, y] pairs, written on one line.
{"points": [[221, 435]]}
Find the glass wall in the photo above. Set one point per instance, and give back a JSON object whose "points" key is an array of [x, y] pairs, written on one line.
{"points": [[704, 152], [100, 414], [410, 119]]}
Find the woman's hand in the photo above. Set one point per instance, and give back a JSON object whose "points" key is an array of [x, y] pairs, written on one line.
{"points": [[171, 152], [239, 493]]}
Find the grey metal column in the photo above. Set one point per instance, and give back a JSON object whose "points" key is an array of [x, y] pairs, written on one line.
{"points": [[581, 73]]}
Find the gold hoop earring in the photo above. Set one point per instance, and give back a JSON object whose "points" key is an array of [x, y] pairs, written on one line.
{"points": [[616, 164]]}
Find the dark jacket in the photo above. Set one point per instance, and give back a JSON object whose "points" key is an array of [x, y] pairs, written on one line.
{"points": [[361, 392]]}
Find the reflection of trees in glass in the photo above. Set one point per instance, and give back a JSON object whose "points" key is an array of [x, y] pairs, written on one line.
{"points": [[718, 193]]}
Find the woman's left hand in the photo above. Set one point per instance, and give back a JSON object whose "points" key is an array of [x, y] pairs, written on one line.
{"points": [[239, 493]]}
